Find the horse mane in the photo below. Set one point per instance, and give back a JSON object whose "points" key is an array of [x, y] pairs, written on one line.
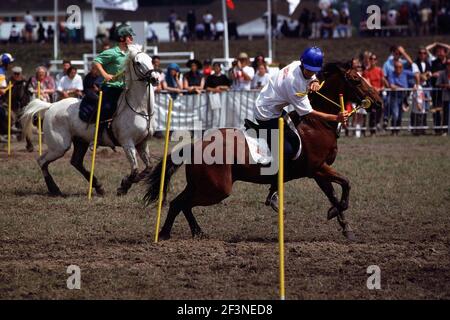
{"points": [[331, 68], [126, 67]]}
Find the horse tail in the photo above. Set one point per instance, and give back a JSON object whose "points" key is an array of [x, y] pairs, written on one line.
{"points": [[153, 180], [29, 111]]}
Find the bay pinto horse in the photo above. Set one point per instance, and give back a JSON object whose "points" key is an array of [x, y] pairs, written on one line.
{"points": [[210, 184]]}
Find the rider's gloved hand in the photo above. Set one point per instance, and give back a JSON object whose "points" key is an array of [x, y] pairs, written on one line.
{"points": [[315, 86], [342, 117], [108, 77]]}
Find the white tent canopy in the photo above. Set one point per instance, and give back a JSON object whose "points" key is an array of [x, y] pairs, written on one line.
{"points": [[257, 27]]}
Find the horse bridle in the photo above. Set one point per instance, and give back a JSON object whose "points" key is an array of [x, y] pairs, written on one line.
{"points": [[147, 77], [364, 101]]}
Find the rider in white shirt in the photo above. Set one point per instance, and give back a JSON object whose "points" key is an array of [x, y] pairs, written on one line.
{"points": [[281, 91]]}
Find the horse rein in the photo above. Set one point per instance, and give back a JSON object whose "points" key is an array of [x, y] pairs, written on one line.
{"points": [[147, 78], [147, 116], [365, 102]]}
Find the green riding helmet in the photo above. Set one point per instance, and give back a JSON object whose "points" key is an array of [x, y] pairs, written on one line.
{"points": [[124, 30]]}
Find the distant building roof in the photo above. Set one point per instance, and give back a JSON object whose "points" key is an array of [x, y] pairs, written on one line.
{"points": [[38, 5]]}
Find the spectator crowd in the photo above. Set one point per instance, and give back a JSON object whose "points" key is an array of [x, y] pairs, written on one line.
{"points": [[406, 18], [420, 86], [328, 21]]}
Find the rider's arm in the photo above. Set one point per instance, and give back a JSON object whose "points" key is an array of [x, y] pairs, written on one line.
{"points": [[102, 71], [303, 107], [341, 117]]}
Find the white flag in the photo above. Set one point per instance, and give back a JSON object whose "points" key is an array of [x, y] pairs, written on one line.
{"points": [[292, 5], [131, 5]]}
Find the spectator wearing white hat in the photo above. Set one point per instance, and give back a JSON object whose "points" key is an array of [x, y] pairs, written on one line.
{"points": [[242, 73]]}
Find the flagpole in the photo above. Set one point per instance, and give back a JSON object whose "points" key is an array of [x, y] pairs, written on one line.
{"points": [[56, 31], [94, 30], [269, 29], [225, 33]]}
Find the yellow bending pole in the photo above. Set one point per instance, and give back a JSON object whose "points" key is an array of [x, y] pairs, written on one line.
{"points": [[97, 123], [39, 120], [281, 203], [163, 172], [9, 118], [341, 101]]}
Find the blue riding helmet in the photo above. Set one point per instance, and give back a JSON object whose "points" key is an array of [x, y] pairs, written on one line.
{"points": [[173, 66], [6, 59], [312, 59]]}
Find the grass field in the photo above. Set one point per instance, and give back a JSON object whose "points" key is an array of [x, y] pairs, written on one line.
{"points": [[399, 210]]}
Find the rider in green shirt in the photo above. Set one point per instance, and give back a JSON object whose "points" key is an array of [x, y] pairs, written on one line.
{"points": [[110, 64]]}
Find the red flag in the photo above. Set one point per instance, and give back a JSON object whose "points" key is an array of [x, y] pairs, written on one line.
{"points": [[230, 4]]}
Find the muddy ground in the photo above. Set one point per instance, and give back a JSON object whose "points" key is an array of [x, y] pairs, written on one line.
{"points": [[399, 209]]}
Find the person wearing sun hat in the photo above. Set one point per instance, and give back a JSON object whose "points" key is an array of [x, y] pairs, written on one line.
{"points": [[242, 73]]}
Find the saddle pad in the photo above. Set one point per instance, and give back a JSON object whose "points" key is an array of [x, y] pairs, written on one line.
{"points": [[87, 111], [291, 126], [259, 150]]}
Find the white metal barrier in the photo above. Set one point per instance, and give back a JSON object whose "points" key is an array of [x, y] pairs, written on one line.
{"points": [[406, 109], [56, 66], [178, 57], [229, 109], [211, 110]]}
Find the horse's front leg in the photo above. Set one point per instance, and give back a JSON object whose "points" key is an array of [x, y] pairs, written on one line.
{"points": [[128, 181], [144, 153], [324, 178]]}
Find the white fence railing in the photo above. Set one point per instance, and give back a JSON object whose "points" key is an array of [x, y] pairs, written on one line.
{"points": [[229, 109], [210, 110]]}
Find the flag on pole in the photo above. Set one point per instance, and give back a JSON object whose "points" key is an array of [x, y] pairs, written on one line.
{"points": [[230, 4], [293, 5], [130, 5]]}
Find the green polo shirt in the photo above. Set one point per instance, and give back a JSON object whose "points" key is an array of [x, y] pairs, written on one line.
{"points": [[113, 61]]}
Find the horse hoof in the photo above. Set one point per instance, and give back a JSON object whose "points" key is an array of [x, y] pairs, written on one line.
{"points": [[121, 192], [200, 235], [349, 235], [272, 201], [332, 213], [55, 194], [163, 236], [100, 191]]}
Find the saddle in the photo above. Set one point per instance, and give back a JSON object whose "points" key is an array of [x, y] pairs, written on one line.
{"points": [[88, 110], [88, 114]]}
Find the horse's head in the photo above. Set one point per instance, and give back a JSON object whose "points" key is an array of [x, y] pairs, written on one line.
{"points": [[354, 87], [142, 65]]}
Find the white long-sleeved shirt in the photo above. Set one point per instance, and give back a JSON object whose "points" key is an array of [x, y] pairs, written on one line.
{"points": [[281, 92], [65, 83]]}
